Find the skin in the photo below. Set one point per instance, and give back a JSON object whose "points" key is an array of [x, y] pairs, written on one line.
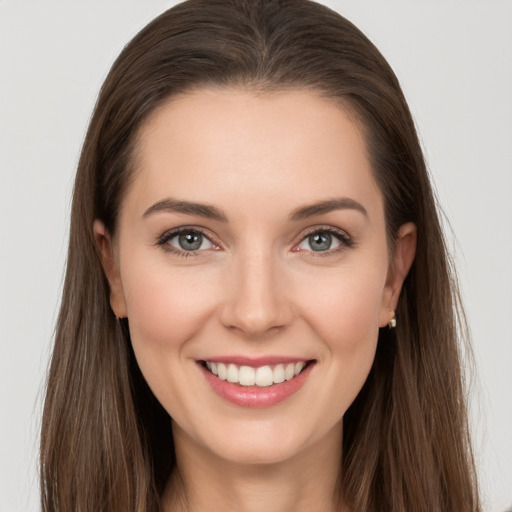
{"points": [[256, 289]]}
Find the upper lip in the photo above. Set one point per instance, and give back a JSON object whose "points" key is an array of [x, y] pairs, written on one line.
{"points": [[255, 362]]}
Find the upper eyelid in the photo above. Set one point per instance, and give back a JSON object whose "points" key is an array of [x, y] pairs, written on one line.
{"points": [[320, 229], [341, 234]]}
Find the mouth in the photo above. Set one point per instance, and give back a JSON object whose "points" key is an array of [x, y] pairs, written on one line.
{"points": [[264, 376], [256, 383]]}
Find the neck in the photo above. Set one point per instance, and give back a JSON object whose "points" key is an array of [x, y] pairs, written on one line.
{"points": [[204, 481]]}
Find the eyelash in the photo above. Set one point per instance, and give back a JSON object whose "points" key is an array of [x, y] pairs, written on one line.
{"points": [[169, 235], [345, 240]]}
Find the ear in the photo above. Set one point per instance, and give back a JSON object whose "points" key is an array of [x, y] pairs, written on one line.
{"points": [[111, 268], [403, 256]]}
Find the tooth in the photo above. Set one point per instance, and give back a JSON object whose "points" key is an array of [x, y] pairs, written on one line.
{"points": [[247, 376], [278, 374], [222, 372], [264, 376], [299, 367], [232, 373]]}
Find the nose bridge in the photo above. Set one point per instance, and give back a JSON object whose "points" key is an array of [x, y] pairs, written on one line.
{"points": [[257, 301]]}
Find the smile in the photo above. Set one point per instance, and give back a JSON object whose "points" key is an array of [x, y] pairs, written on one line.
{"points": [[256, 384], [262, 376]]}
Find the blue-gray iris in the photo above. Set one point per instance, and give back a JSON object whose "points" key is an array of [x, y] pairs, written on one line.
{"points": [[320, 241], [190, 241]]}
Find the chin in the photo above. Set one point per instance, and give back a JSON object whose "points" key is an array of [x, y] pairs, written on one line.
{"points": [[259, 443], [261, 452]]}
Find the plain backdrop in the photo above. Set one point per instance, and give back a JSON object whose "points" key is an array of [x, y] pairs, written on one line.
{"points": [[454, 61]]}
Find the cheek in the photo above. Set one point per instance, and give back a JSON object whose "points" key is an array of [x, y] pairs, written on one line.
{"points": [[166, 309], [346, 319], [166, 306], [344, 308]]}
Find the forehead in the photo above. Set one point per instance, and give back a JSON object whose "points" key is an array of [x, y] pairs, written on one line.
{"points": [[221, 144]]}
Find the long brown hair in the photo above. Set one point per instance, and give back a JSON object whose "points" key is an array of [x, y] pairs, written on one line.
{"points": [[106, 442]]}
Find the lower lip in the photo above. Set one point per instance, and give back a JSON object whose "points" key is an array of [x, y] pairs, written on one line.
{"points": [[254, 396]]}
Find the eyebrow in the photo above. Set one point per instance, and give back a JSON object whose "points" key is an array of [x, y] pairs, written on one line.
{"points": [[211, 212], [189, 208], [322, 207]]}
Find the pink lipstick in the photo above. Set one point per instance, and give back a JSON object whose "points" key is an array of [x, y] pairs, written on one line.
{"points": [[256, 382]]}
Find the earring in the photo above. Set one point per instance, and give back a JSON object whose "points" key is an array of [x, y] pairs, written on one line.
{"points": [[392, 322], [118, 318]]}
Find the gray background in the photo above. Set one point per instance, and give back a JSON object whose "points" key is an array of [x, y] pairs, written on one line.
{"points": [[454, 60]]}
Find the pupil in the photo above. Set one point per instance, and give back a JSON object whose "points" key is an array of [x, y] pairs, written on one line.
{"points": [[320, 241], [190, 241]]}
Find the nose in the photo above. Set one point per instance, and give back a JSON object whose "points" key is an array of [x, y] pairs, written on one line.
{"points": [[257, 299]]}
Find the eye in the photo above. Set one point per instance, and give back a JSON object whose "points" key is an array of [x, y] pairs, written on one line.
{"points": [[320, 241], [190, 241], [185, 242], [324, 240]]}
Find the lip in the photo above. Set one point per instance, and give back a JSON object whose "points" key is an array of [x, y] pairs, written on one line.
{"points": [[254, 396], [255, 362]]}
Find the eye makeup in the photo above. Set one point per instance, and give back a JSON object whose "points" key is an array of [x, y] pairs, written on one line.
{"points": [[321, 235], [195, 238], [186, 235]]}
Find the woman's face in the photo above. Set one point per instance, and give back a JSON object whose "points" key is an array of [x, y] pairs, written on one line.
{"points": [[252, 244]]}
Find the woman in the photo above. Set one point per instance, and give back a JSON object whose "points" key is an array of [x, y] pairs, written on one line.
{"points": [[255, 253]]}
